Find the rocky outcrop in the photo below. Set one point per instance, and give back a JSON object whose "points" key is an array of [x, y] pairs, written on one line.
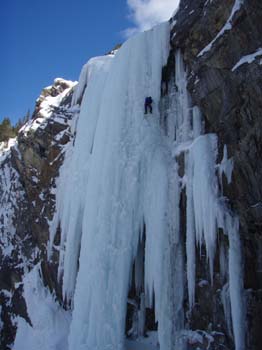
{"points": [[221, 43], [28, 186]]}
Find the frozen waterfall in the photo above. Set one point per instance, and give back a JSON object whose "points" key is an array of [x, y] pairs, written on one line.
{"points": [[123, 185]]}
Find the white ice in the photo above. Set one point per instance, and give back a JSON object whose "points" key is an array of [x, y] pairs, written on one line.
{"points": [[121, 159]]}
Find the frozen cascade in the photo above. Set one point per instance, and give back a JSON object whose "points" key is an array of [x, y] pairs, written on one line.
{"points": [[123, 184], [121, 176], [70, 203]]}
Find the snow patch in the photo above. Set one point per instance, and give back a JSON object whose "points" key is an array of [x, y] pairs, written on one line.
{"points": [[5, 148], [247, 59]]}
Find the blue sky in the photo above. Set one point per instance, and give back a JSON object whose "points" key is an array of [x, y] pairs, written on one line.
{"points": [[42, 40]]}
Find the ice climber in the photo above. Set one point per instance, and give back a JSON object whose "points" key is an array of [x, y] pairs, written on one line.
{"points": [[148, 104]]}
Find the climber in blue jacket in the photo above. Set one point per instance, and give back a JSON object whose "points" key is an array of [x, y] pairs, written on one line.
{"points": [[148, 104]]}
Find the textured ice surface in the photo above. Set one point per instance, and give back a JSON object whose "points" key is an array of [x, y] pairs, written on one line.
{"points": [[118, 181]]}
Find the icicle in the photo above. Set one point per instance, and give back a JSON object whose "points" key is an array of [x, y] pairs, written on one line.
{"points": [[156, 226], [197, 122], [183, 112], [236, 288], [205, 190], [190, 233], [226, 167], [173, 301], [225, 298]]}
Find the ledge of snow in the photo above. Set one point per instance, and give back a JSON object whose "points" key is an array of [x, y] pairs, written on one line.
{"points": [[248, 59], [226, 27]]}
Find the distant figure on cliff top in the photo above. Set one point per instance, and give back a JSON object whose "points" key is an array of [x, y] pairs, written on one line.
{"points": [[148, 104]]}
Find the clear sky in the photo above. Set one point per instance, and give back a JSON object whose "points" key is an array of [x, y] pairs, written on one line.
{"points": [[42, 40]]}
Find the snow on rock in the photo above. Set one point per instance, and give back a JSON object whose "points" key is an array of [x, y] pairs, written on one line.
{"points": [[49, 322], [248, 59], [5, 148], [27, 179], [10, 192], [50, 98], [228, 26]]}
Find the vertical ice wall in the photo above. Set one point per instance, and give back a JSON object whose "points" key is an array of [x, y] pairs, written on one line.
{"points": [[72, 184], [117, 182], [122, 175]]}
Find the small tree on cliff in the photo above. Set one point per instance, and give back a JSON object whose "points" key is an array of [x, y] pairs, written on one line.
{"points": [[6, 130]]}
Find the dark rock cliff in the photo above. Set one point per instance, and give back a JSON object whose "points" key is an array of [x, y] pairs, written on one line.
{"points": [[229, 97], [28, 182]]}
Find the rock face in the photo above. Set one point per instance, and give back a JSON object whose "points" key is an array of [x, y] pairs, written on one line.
{"points": [[28, 184], [225, 82], [220, 41]]}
